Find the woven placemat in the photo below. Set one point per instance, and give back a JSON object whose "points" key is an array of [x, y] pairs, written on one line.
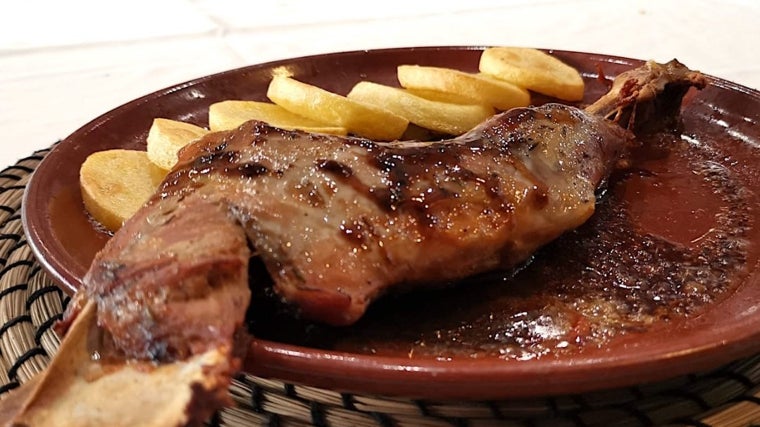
{"points": [[30, 303]]}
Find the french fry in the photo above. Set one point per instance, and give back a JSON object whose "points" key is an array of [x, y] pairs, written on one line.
{"points": [[534, 70], [453, 119], [116, 183], [479, 89], [318, 104], [166, 137], [230, 114]]}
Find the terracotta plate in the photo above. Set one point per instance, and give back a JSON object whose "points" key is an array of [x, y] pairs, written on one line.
{"points": [[663, 281]]}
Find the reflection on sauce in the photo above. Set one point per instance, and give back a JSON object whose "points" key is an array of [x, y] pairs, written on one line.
{"points": [[668, 238], [691, 182]]}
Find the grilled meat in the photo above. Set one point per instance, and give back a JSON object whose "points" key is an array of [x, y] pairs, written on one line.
{"points": [[338, 221]]}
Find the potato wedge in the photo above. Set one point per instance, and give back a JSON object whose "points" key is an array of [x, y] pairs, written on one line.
{"points": [[452, 119], [166, 137], [435, 95], [116, 183], [477, 88], [534, 70], [230, 114], [318, 104]]}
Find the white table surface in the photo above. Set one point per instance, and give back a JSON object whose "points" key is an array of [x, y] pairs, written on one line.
{"points": [[64, 63]]}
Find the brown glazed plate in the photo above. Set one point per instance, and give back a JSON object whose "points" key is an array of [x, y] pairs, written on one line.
{"points": [[664, 280]]}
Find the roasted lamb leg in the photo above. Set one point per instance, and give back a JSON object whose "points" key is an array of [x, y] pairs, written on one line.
{"points": [[339, 221]]}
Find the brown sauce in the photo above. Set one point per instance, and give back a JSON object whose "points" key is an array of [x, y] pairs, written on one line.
{"points": [[669, 237]]}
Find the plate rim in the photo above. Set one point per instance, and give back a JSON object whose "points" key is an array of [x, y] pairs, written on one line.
{"points": [[373, 370]]}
